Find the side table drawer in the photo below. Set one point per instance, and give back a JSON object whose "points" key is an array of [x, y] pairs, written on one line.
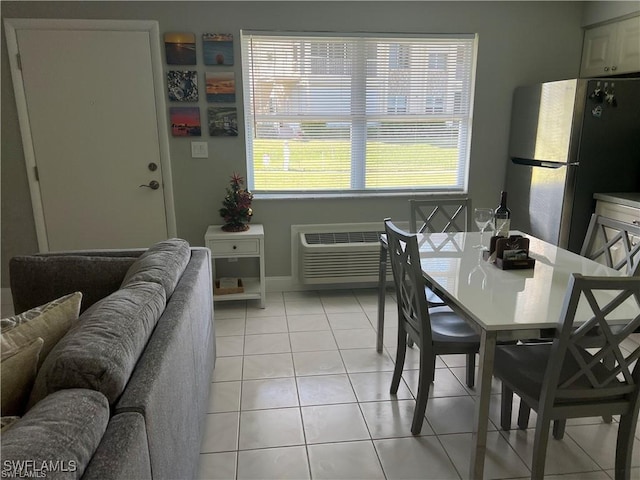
{"points": [[234, 247]]}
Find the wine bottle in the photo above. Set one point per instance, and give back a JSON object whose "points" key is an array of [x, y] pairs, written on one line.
{"points": [[502, 217]]}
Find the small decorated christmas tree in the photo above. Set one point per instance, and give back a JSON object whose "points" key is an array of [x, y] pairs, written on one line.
{"points": [[236, 210]]}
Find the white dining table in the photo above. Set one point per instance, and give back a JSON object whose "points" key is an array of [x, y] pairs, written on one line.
{"points": [[499, 304]]}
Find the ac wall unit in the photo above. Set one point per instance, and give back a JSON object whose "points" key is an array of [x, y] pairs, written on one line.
{"points": [[339, 253]]}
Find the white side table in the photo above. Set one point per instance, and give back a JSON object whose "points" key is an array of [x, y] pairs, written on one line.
{"points": [[242, 245]]}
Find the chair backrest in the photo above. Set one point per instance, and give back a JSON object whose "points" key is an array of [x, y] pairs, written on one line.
{"points": [[437, 216], [407, 276], [606, 373], [612, 240]]}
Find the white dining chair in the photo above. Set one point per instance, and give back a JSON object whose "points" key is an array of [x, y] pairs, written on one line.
{"points": [[563, 379], [614, 243], [436, 331], [426, 216]]}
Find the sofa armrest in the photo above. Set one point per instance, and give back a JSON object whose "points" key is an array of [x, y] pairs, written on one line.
{"points": [[38, 279], [171, 382], [123, 451]]}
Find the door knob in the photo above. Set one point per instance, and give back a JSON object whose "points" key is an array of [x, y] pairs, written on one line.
{"points": [[153, 185]]}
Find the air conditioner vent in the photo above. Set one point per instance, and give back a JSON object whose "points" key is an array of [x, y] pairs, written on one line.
{"points": [[333, 238], [339, 253]]}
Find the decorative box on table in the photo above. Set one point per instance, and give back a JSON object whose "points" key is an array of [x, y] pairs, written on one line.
{"points": [[510, 253]]}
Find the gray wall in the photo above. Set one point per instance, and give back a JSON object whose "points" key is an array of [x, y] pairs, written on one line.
{"points": [[603, 11], [519, 43]]}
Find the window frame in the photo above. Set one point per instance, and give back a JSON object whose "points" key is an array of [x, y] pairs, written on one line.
{"points": [[359, 129]]}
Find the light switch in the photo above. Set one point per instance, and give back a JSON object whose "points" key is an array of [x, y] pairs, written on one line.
{"points": [[199, 150]]}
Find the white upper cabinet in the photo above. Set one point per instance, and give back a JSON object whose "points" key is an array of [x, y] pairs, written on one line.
{"points": [[627, 53], [611, 49]]}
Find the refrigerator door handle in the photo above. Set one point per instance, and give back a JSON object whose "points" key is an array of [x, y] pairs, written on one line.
{"points": [[542, 163]]}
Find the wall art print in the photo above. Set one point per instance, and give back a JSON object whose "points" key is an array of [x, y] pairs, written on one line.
{"points": [[182, 85], [220, 87], [185, 121], [223, 121], [180, 48], [217, 48]]}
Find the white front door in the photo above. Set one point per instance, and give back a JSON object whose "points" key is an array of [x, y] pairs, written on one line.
{"points": [[93, 113]]}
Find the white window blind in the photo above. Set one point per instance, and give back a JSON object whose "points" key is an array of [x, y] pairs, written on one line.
{"points": [[357, 113]]}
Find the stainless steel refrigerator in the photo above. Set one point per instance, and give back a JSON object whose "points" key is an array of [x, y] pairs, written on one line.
{"points": [[570, 139]]}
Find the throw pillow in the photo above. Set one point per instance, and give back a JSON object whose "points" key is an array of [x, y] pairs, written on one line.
{"points": [[162, 263], [17, 374], [50, 322], [65, 427], [102, 349]]}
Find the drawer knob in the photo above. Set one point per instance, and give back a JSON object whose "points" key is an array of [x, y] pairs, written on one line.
{"points": [[234, 247]]}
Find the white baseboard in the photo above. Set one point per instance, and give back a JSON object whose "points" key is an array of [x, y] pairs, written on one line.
{"points": [[281, 284], [289, 284]]}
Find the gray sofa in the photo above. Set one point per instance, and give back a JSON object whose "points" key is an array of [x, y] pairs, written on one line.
{"points": [[124, 393]]}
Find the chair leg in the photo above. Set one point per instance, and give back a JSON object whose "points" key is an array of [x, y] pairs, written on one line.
{"points": [[471, 369], [624, 445], [401, 353], [540, 441], [425, 377], [382, 291], [608, 361], [524, 412], [558, 429], [506, 407]]}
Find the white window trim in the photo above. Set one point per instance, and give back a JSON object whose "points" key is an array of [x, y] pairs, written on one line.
{"points": [[360, 193]]}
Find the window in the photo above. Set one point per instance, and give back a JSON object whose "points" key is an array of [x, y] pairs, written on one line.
{"points": [[437, 61], [358, 113]]}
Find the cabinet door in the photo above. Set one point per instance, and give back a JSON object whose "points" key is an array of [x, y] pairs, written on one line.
{"points": [[627, 51], [598, 48]]}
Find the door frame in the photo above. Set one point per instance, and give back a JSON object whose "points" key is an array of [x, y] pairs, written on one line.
{"points": [[150, 26]]}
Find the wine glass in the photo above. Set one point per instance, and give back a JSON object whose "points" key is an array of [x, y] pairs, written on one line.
{"points": [[482, 217]]}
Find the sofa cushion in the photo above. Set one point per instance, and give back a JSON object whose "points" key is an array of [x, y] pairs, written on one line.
{"points": [[38, 279], [101, 351], [67, 427], [163, 263], [49, 322], [17, 373]]}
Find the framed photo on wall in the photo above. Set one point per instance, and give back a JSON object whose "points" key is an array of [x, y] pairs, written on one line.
{"points": [[223, 121], [220, 87], [185, 121], [180, 48], [182, 85], [217, 48]]}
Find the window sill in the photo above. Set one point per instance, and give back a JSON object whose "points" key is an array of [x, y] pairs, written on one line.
{"points": [[358, 195]]}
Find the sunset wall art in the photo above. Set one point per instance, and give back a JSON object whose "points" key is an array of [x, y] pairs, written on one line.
{"points": [[185, 121], [221, 87], [180, 48]]}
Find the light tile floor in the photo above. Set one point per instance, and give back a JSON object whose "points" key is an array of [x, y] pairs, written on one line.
{"points": [[300, 392]]}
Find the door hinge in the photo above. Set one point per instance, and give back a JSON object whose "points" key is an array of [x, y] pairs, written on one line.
{"points": [[19, 61], [35, 172]]}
